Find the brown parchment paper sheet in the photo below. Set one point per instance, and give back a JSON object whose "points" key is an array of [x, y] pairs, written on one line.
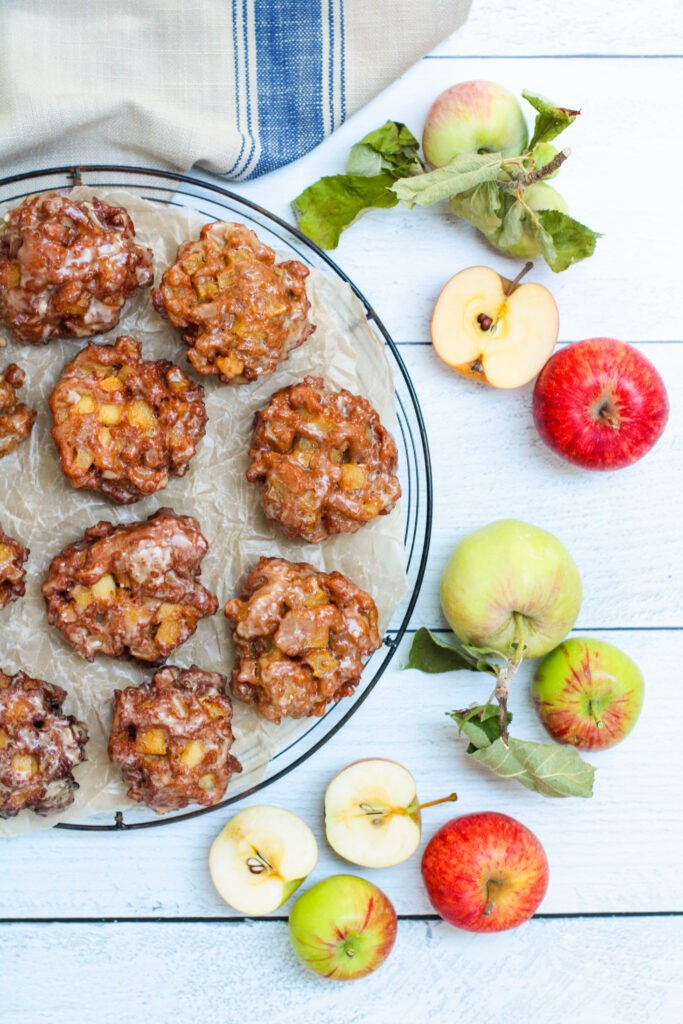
{"points": [[41, 509]]}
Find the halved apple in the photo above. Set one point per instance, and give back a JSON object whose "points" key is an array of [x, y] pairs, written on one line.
{"points": [[261, 857], [487, 329], [372, 817]]}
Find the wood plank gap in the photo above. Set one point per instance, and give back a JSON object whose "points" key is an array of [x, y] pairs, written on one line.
{"points": [[554, 56], [560, 916], [578, 629], [646, 341]]}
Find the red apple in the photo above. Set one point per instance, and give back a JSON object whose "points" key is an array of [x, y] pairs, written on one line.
{"points": [[588, 693], [600, 404], [485, 872]]}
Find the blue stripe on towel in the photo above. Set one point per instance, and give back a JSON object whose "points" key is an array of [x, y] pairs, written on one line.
{"points": [[289, 71], [228, 171]]}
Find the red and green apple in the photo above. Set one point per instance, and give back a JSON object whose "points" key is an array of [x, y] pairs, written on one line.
{"points": [[588, 693], [343, 928], [473, 117]]}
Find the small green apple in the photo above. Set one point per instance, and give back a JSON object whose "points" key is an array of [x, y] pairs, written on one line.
{"points": [[261, 857], [343, 928], [510, 581], [473, 117], [537, 197], [542, 154], [588, 693]]}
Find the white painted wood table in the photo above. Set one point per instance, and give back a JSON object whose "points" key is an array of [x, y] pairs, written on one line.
{"points": [[126, 927]]}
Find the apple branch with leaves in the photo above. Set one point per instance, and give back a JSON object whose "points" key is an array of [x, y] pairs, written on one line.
{"points": [[486, 189], [546, 768]]}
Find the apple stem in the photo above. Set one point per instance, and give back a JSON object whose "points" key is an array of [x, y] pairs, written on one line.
{"points": [[594, 712], [505, 675], [608, 415], [490, 885], [509, 289], [522, 179], [443, 800]]}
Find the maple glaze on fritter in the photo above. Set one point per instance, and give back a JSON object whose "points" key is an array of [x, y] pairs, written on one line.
{"points": [[124, 425], [323, 461], [130, 589], [171, 738], [39, 746], [300, 638], [239, 311]]}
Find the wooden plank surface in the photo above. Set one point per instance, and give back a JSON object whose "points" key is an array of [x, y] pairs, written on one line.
{"points": [[614, 854], [247, 974]]}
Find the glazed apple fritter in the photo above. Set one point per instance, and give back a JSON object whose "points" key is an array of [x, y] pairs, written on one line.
{"points": [[323, 461], [240, 312], [67, 267], [12, 572], [124, 425], [172, 738], [130, 589], [300, 638], [39, 746], [16, 419]]}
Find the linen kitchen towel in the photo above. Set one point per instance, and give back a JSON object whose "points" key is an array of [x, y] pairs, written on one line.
{"points": [[239, 86]]}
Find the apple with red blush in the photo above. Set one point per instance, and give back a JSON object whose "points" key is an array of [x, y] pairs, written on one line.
{"points": [[588, 693], [485, 872], [600, 404]]}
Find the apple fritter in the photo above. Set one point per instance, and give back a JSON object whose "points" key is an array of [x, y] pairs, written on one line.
{"points": [[323, 461], [12, 572], [39, 746], [171, 738], [16, 419], [124, 425], [130, 589], [300, 638], [67, 267], [240, 312]]}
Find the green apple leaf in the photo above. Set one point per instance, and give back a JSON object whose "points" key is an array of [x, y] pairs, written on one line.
{"points": [[513, 224], [393, 147], [460, 175], [562, 239], [550, 120], [331, 204], [480, 724], [482, 206], [430, 653], [327, 207], [546, 768]]}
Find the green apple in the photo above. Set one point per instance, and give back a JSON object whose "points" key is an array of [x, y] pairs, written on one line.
{"points": [[542, 154], [509, 582], [473, 117], [537, 197], [261, 857], [343, 928], [588, 693], [372, 816]]}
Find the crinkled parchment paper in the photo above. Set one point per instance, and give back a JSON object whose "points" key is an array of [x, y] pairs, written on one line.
{"points": [[40, 508]]}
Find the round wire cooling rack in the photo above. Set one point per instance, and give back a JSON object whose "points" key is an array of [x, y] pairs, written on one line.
{"points": [[169, 188]]}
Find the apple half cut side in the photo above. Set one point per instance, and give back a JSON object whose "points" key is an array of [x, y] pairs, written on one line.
{"points": [[372, 817], [261, 857], [484, 328]]}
